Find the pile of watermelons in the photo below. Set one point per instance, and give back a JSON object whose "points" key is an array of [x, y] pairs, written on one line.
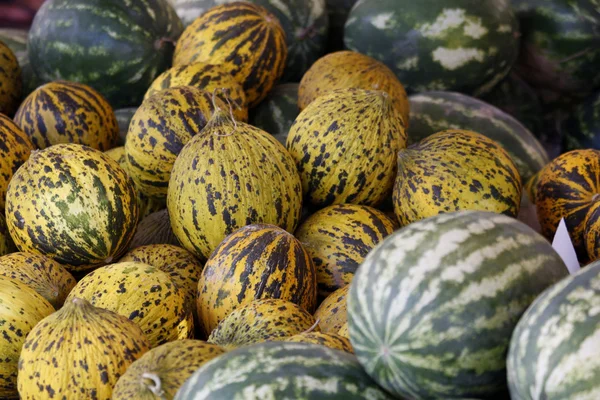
{"points": [[300, 199]]}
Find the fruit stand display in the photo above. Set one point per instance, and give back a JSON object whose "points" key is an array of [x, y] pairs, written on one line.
{"points": [[300, 199]]}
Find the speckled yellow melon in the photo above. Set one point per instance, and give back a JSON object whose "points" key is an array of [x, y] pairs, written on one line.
{"points": [[349, 69], [455, 170], [154, 229], [343, 332], [331, 314], [260, 321], [245, 39], [345, 145], [159, 130], [338, 238], [159, 373], [142, 293], [15, 148], [44, 275], [21, 308], [78, 352], [68, 112], [330, 340], [11, 84], [255, 262], [208, 77], [6, 244]]}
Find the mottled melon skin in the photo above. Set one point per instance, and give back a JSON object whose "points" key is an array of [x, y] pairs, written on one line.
{"points": [[10, 80], [330, 340], [331, 313]]}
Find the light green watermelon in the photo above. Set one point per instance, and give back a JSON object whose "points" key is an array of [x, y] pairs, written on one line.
{"points": [[555, 349], [277, 113], [432, 308]]}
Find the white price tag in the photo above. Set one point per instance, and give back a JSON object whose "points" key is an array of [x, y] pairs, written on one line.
{"points": [[564, 247]]}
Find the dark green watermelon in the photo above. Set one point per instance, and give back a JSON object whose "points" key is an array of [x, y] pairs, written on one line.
{"points": [[124, 116], [117, 47], [277, 113], [338, 11], [466, 46], [582, 129]]}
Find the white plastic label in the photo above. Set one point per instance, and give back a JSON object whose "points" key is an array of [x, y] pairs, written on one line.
{"points": [[564, 247]]}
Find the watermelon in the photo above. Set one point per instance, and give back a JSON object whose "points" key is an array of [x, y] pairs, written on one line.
{"points": [[582, 129], [432, 112], [338, 11], [555, 349], [278, 111], [281, 370], [432, 308], [124, 116], [116, 47], [461, 45]]}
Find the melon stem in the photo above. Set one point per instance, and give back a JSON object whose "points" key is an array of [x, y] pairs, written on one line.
{"points": [[312, 328], [153, 383]]}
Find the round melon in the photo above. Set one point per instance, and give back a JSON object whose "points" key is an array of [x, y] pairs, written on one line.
{"points": [[455, 170], [6, 244], [279, 370], [144, 294], [432, 308], [278, 111], [124, 116], [10, 81], [159, 130], [21, 308], [73, 204], [154, 229], [96, 343], [115, 47], [208, 77], [44, 275], [457, 45], [344, 332], [345, 145], [555, 348], [255, 262], [331, 314], [15, 148], [16, 40], [591, 232], [159, 373], [68, 112], [349, 69], [255, 55], [260, 321], [228, 176], [330, 340], [338, 238]]}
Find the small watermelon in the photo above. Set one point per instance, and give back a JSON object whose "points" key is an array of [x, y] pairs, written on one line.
{"points": [[278, 111]]}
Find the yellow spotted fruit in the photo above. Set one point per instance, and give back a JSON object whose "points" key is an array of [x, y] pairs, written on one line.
{"points": [[345, 145], [591, 232], [44, 275], [11, 84], [229, 176], [331, 313], [182, 267], [21, 308], [255, 262], [78, 352], [68, 112], [154, 229], [349, 69], [73, 204], [338, 238], [343, 332], [144, 294], [208, 77], [569, 188], [261, 321], [159, 373], [159, 130], [330, 340], [531, 186], [15, 148], [6, 244], [245, 39], [455, 170]]}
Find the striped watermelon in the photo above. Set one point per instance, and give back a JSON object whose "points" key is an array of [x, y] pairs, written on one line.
{"points": [[461, 45], [432, 308], [116, 47], [282, 370], [555, 349], [432, 112], [277, 113], [581, 130]]}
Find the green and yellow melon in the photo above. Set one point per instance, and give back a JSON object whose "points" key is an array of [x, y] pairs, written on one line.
{"points": [[44, 275], [349, 69], [330, 340], [245, 39], [591, 232], [331, 313], [144, 294], [338, 238], [73, 204], [68, 112], [261, 321], [7, 245], [21, 308], [345, 145], [455, 170], [73, 336], [158, 374], [229, 176], [10, 81], [154, 229], [255, 262], [344, 331]]}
